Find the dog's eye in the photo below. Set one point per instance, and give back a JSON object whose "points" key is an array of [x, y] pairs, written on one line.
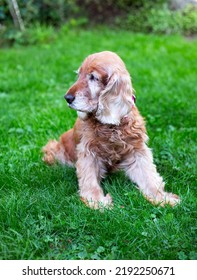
{"points": [[92, 77]]}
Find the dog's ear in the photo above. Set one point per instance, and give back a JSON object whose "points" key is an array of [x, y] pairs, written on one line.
{"points": [[115, 101]]}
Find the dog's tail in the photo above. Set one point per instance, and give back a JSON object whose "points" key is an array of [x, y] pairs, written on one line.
{"points": [[62, 151]]}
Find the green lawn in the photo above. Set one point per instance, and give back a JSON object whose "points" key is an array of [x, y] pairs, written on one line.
{"points": [[41, 216]]}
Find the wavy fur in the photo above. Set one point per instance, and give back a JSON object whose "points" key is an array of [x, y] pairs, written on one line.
{"points": [[108, 135]]}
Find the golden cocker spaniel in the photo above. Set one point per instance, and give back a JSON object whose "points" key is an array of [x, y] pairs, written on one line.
{"points": [[109, 133]]}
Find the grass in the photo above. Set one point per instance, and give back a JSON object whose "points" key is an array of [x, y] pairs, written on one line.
{"points": [[41, 216]]}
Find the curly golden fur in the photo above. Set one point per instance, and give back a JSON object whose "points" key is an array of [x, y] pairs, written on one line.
{"points": [[108, 135]]}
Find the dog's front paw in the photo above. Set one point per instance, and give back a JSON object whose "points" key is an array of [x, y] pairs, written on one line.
{"points": [[104, 202], [171, 199], [163, 198]]}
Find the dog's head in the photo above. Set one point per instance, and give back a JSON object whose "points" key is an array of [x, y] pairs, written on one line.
{"points": [[103, 88]]}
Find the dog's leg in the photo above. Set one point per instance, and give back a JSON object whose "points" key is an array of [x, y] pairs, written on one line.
{"points": [[62, 151], [89, 173], [142, 171]]}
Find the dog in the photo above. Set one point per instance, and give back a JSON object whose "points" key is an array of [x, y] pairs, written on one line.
{"points": [[109, 134]]}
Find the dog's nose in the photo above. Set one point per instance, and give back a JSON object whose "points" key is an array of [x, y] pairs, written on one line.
{"points": [[69, 98]]}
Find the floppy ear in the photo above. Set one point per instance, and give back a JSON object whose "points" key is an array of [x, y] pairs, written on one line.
{"points": [[115, 101]]}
